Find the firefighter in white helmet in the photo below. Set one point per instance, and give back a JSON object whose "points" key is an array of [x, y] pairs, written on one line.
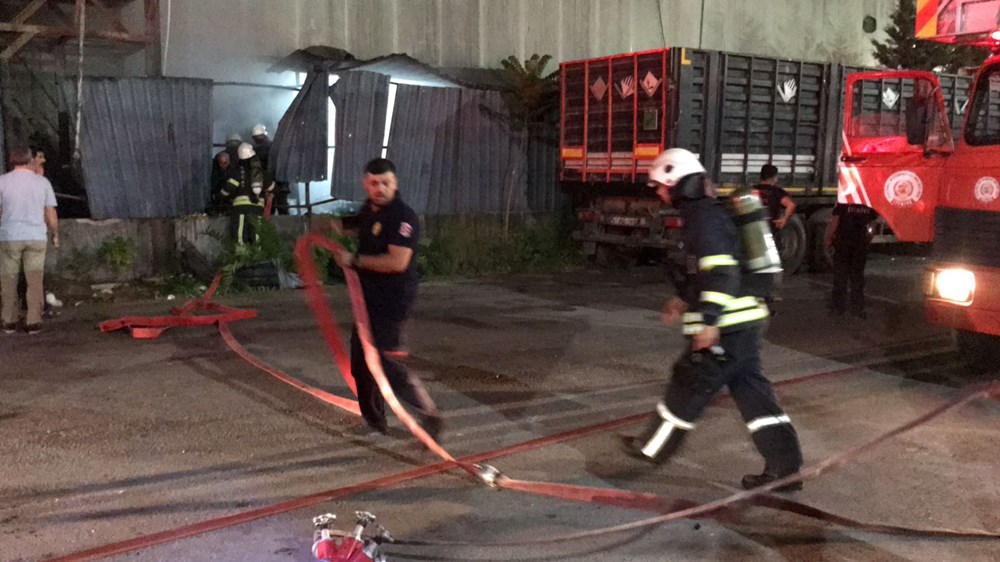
{"points": [[723, 324], [247, 186], [262, 146]]}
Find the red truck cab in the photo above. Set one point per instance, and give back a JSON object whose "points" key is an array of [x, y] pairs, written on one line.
{"points": [[899, 158]]}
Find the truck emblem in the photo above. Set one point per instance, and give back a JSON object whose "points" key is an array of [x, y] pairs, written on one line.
{"points": [[788, 90], [987, 189], [626, 87], [650, 84], [889, 98], [903, 188], [960, 107], [599, 89]]}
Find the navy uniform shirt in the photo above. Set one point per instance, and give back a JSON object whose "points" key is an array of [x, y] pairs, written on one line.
{"points": [[854, 220], [388, 295]]}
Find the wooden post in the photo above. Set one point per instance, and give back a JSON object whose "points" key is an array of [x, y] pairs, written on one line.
{"points": [[154, 50]]}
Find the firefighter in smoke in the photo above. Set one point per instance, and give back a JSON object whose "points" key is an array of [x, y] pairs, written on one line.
{"points": [[724, 321], [248, 185]]}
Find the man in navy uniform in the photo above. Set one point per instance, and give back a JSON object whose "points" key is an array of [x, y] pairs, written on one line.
{"points": [[388, 232]]}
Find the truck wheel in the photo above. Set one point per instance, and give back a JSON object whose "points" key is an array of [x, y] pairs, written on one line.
{"points": [[610, 257], [794, 251], [820, 259], [981, 351]]}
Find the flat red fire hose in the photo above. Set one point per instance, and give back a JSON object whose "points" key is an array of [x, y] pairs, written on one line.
{"points": [[672, 509]]}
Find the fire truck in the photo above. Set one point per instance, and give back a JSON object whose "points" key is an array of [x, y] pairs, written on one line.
{"points": [[929, 182], [736, 111]]}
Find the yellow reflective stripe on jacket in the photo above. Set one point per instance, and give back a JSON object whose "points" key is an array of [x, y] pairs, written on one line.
{"points": [[234, 182], [708, 263], [734, 318], [691, 317], [721, 299], [740, 310], [244, 200], [740, 304]]}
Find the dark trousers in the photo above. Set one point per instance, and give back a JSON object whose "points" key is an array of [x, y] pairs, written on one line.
{"points": [[241, 223], [849, 259], [279, 206], [387, 333], [691, 390]]}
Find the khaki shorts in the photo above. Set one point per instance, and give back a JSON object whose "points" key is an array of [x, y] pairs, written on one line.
{"points": [[13, 254]]}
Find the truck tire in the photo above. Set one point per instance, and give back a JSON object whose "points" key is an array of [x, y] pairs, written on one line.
{"points": [[981, 351], [795, 244], [820, 258], [610, 256]]}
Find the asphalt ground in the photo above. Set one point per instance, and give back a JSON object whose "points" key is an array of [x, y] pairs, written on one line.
{"points": [[107, 438]]}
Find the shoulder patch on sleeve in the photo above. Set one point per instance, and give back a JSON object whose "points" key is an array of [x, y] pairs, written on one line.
{"points": [[405, 229]]}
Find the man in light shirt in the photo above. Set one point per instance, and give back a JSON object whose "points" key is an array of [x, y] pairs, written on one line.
{"points": [[27, 220]]}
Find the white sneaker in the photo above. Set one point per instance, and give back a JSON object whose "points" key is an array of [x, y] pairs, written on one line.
{"points": [[51, 299]]}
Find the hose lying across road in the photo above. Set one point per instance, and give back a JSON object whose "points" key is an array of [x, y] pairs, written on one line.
{"points": [[670, 509]]}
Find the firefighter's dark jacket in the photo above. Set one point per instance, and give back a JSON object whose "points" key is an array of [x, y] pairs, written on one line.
{"points": [[241, 180], [711, 280]]}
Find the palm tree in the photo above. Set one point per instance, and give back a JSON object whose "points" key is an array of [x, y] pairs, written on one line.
{"points": [[532, 100]]}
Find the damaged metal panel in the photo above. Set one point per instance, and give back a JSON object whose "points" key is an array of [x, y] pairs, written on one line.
{"points": [[143, 146], [455, 155], [298, 153], [361, 99], [491, 158], [422, 147]]}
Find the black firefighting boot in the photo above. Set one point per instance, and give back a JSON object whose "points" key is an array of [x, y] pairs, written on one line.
{"points": [[660, 440], [779, 445]]}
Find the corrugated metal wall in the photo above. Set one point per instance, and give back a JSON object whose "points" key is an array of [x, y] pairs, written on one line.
{"points": [[143, 146], [361, 99], [299, 150], [455, 157]]}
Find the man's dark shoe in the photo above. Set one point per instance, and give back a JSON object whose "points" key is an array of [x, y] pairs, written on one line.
{"points": [[33, 328], [751, 481], [9, 328]]}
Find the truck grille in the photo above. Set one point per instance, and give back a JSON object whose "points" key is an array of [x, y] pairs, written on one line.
{"points": [[967, 236]]}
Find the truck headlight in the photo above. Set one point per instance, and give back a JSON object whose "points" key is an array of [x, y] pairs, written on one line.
{"points": [[955, 285]]}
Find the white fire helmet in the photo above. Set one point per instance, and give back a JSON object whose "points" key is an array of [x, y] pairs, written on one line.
{"points": [[235, 137], [258, 129], [245, 151], [672, 165]]}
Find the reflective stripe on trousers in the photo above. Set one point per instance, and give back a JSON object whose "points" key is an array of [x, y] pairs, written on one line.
{"points": [[760, 423], [662, 434]]}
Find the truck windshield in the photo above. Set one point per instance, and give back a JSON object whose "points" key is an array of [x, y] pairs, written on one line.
{"points": [[902, 113], [984, 119]]}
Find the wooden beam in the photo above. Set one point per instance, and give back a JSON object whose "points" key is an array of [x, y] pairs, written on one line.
{"points": [[28, 11], [14, 47], [59, 32], [154, 53], [114, 15], [21, 17]]}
